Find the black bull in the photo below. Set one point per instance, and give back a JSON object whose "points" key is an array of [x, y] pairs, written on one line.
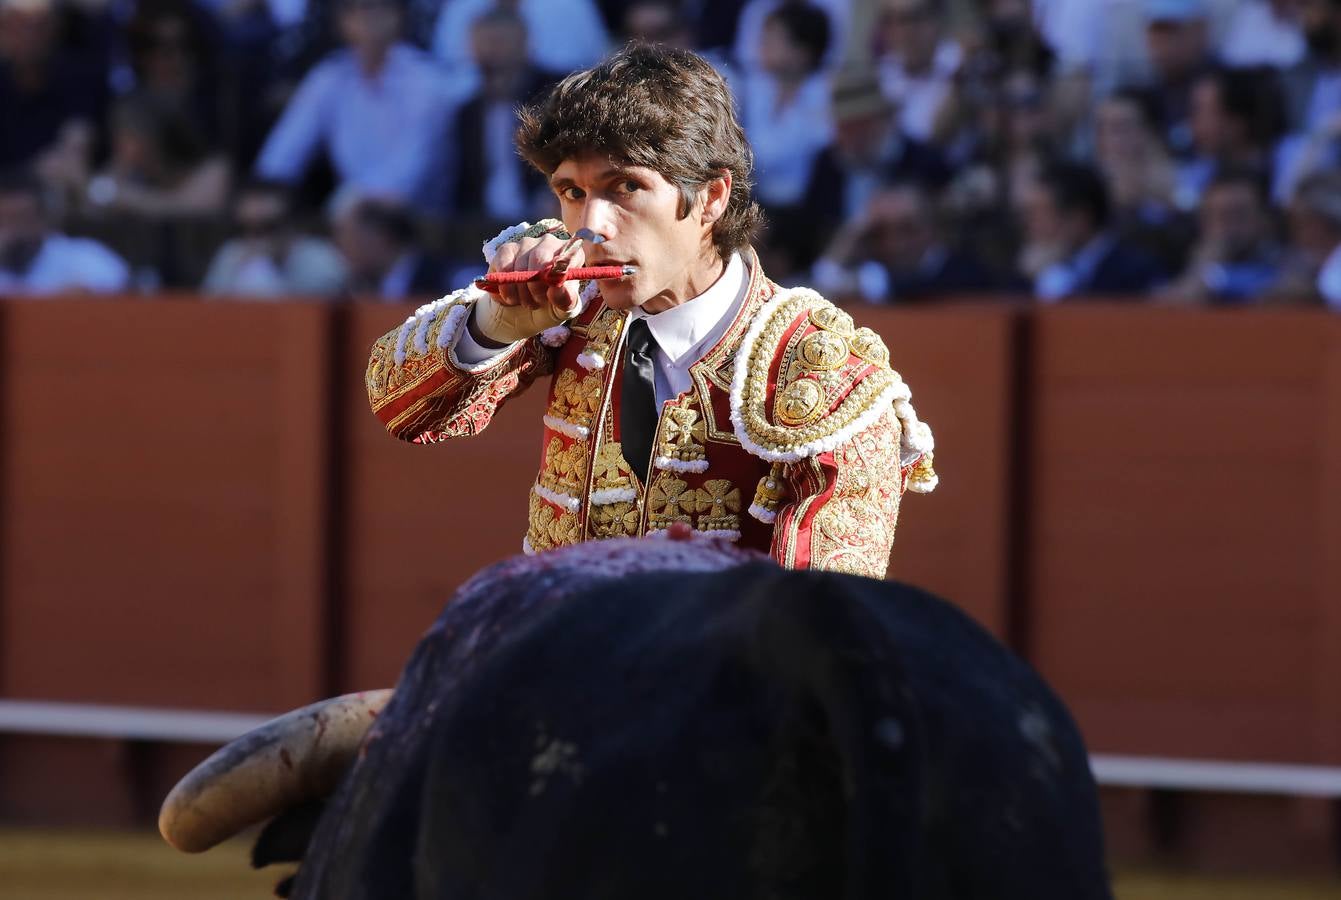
{"points": [[748, 732]]}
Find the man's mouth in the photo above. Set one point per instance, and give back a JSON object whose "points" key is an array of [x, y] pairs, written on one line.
{"points": [[629, 266]]}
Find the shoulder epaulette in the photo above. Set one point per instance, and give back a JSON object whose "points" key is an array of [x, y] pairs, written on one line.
{"points": [[833, 379]]}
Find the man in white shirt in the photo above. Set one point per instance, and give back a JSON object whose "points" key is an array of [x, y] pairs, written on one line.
{"points": [[378, 109], [35, 260], [691, 392]]}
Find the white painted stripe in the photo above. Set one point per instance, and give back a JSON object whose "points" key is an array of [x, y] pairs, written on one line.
{"points": [[125, 722], [1210, 775], [203, 726]]}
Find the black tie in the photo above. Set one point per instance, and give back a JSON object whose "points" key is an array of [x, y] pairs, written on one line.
{"points": [[637, 403]]}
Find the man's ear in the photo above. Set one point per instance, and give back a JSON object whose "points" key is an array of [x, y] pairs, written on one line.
{"points": [[716, 196]]}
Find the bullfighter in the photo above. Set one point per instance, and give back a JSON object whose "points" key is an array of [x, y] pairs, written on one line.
{"points": [[688, 389]]}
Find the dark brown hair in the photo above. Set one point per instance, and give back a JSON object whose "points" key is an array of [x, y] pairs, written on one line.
{"points": [[664, 109]]}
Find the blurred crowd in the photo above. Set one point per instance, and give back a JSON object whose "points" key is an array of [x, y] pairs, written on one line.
{"points": [[1181, 151]]}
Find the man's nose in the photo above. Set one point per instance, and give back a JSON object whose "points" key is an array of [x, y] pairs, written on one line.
{"points": [[596, 217]]}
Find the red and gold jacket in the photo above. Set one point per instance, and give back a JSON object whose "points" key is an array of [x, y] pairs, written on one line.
{"points": [[797, 438]]}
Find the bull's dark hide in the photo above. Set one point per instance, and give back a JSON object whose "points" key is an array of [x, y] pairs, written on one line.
{"points": [[748, 732]]}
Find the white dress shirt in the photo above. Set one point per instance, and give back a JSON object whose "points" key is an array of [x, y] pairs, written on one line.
{"points": [[383, 134], [682, 334]]}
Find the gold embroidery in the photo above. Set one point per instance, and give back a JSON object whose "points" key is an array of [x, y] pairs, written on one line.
{"points": [[796, 423], [669, 500], [772, 489], [822, 351], [603, 332], [548, 528], [867, 344], [612, 472], [572, 469], [575, 400], [614, 520], [801, 402], [565, 530], [540, 517], [717, 504], [554, 460], [854, 530], [683, 434], [831, 318]]}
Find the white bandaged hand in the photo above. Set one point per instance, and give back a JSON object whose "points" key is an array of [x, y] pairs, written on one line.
{"points": [[506, 324]]}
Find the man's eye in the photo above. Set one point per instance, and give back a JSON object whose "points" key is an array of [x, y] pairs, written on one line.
{"points": [[629, 187], [571, 193]]}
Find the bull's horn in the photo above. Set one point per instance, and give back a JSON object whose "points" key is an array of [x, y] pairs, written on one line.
{"points": [[299, 756]]}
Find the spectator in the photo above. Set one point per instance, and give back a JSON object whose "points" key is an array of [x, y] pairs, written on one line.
{"points": [[572, 36], [708, 27], [1237, 257], [44, 90], [377, 109], [895, 252], [172, 55], [1264, 33], [1234, 122], [656, 22], [1133, 160], [669, 22], [1006, 66], [1180, 52], [159, 166], [269, 257], [1070, 248], [37, 260], [259, 48], [1140, 178], [1313, 99], [785, 102], [918, 66], [1313, 270], [749, 51], [492, 182], [868, 151], [377, 239]]}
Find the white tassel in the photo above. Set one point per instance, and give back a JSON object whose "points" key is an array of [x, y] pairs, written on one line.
{"points": [[570, 503], [681, 465]]}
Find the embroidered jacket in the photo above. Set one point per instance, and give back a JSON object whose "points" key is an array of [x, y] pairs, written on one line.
{"points": [[796, 438]]}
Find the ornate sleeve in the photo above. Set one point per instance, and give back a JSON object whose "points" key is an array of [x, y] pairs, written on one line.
{"points": [[816, 398], [423, 392]]}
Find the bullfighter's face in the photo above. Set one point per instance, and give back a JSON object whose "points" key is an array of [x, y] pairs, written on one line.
{"points": [[638, 212]]}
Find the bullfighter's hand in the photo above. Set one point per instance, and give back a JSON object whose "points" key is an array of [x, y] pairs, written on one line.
{"points": [[519, 311]]}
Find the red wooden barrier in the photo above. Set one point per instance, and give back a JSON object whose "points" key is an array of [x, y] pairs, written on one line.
{"points": [[164, 492], [1184, 526]]}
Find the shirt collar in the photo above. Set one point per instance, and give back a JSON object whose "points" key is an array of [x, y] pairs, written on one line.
{"points": [[679, 329]]}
